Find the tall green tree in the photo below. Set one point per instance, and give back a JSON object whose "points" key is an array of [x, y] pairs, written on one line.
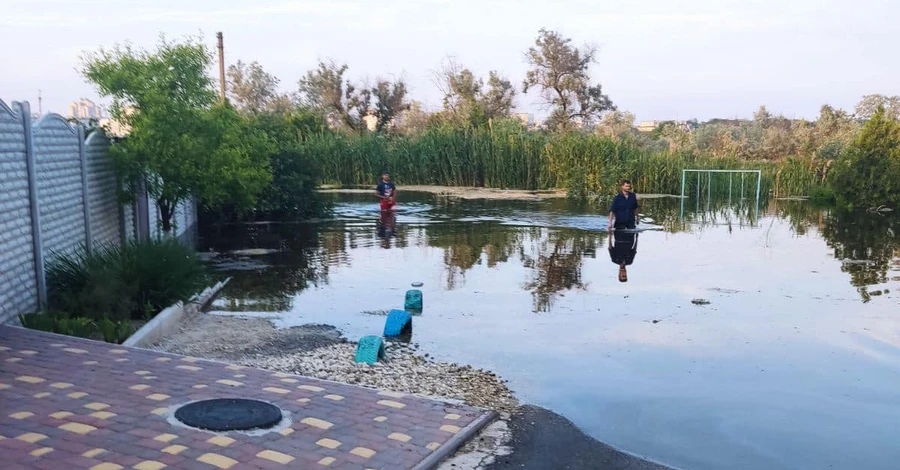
{"points": [[868, 173], [560, 72], [468, 100], [181, 142], [391, 99], [254, 90], [342, 102]]}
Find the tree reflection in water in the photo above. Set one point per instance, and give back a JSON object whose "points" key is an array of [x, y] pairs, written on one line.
{"points": [[304, 255], [869, 248], [556, 261]]}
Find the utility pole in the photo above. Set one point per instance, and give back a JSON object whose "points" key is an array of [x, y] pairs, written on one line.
{"points": [[221, 47]]}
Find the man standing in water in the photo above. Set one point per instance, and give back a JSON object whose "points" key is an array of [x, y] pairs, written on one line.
{"points": [[387, 192], [623, 212]]}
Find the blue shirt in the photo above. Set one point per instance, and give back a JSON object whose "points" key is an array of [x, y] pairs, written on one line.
{"points": [[625, 210], [385, 188]]}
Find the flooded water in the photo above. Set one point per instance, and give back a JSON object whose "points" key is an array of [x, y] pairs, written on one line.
{"points": [[792, 364]]}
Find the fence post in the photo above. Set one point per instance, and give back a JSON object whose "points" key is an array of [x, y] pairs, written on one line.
{"points": [[85, 192], [31, 165], [142, 213]]}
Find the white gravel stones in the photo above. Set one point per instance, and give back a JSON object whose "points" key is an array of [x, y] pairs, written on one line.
{"points": [[402, 370], [317, 351]]}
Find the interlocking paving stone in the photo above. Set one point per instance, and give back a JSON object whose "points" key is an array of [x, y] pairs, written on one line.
{"points": [[78, 404]]}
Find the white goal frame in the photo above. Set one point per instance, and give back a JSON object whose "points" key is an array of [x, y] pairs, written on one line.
{"points": [[709, 174]]}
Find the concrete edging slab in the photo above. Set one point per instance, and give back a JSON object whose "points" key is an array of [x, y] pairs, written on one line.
{"points": [[454, 443], [166, 321]]}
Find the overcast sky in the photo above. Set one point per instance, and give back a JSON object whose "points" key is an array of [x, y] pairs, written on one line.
{"points": [[660, 59]]}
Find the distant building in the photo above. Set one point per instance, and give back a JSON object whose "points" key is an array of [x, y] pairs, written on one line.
{"points": [[85, 109], [647, 126], [527, 119], [650, 126], [113, 127], [371, 121]]}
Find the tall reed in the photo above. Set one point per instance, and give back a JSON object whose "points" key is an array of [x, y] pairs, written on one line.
{"points": [[507, 156]]}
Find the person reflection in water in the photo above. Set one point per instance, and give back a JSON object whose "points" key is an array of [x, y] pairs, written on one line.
{"points": [[387, 227], [622, 249]]}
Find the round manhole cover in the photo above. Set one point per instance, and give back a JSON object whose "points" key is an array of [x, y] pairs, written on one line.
{"points": [[229, 414]]}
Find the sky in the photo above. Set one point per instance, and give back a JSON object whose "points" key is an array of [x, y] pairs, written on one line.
{"points": [[658, 59]]}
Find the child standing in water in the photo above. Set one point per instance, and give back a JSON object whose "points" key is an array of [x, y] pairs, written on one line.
{"points": [[387, 192]]}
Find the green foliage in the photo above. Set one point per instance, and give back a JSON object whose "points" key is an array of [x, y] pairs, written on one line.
{"points": [[295, 172], [134, 281], [292, 194], [235, 168], [560, 72], [180, 142], [468, 101], [114, 331], [822, 196], [868, 172], [326, 90], [506, 155], [62, 323], [253, 90]]}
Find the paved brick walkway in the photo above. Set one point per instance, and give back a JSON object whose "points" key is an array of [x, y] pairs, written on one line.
{"points": [[68, 403]]}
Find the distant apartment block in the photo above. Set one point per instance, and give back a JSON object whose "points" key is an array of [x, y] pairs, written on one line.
{"points": [[85, 109], [113, 128]]}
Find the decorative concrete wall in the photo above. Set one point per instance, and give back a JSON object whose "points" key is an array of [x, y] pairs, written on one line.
{"points": [[59, 193]]}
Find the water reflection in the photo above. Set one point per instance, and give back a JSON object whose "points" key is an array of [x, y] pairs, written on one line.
{"points": [[550, 239], [386, 227], [785, 368], [869, 250], [622, 250], [556, 261], [270, 263]]}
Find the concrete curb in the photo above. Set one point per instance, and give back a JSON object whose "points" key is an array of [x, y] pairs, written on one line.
{"points": [[167, 320], [454, 443]]}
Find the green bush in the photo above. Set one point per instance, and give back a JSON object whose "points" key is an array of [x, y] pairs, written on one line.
{"points": [[822, 196], [134, 281], [868, 173], [292, 193]]}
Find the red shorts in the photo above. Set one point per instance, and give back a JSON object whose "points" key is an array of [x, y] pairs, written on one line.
{"points": [[387, 204]]}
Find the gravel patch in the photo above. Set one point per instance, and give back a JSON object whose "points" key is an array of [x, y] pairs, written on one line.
{"points": [[402, 370], [320, 351]]}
